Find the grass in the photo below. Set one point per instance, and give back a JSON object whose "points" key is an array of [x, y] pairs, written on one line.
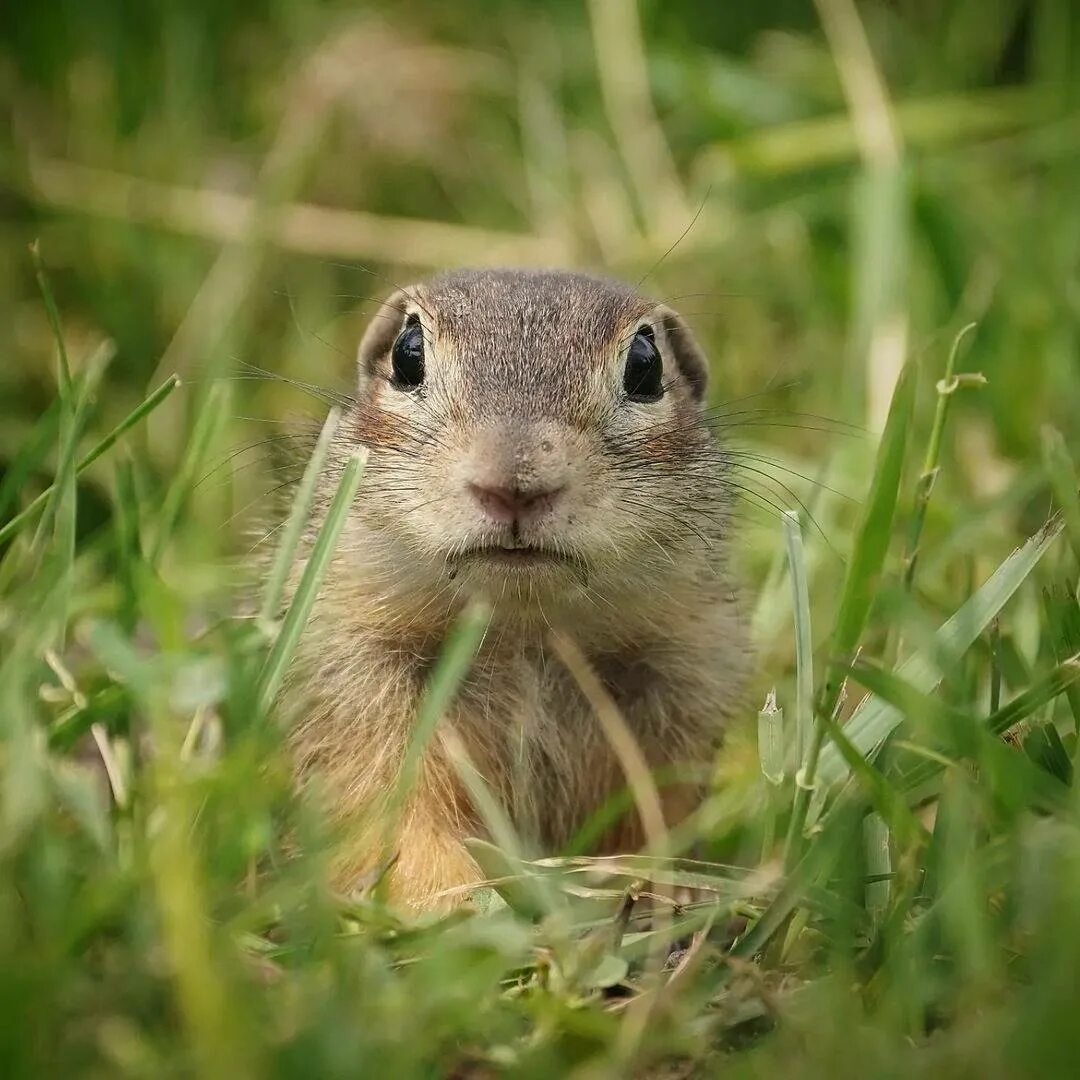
{"points": [[887, 862]]}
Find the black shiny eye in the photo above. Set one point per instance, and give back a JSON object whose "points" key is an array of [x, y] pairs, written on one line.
{"points": [[407, 356], [644, 368]]}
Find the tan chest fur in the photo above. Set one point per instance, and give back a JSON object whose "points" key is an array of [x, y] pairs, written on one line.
{"points": [[523, 722]]}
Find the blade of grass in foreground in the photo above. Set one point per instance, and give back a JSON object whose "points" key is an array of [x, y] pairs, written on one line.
{"points": [[455, 659], [874, 534], [201, 971], [946, 387], [141, 411], [909, 700], [804, 650], [66, 383], [298, 516], [211, 418], [29, 457], [281, 653], [860, 585], [874, 718], [59, 500], [450, 669], [1062, 474]]}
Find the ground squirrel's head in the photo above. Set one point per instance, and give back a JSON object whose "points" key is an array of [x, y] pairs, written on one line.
{"points": [[532, 430]]}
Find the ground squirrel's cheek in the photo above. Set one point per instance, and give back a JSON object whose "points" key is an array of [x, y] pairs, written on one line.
{"points": [[375, 425]]}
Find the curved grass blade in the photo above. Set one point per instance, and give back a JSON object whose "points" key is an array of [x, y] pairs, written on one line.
{"points": [[804, 649], [874, 534], [66, 382], [946, 387], [29, 457], [141, 411], [959, 729], [209, 423], [875, 718], [860, 585], [455, 659], [298, 515], [281, 653], [1062, 473]]}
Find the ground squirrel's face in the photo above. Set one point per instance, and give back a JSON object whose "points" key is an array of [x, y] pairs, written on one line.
{"points": [[529, 430]]}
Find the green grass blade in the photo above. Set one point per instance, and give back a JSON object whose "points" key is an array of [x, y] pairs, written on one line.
{"points": [[1055, 682], [450, 670], [1059, 468], [294, 526], [772, 755], [128, 549], [1063, 623], [874, 719], [804, 649], [873, 535], [322, 551], [30, 456], [946, 387], [66, 382], [961, 731], [209, 423], [860, 584], [878, 856], [886, 799], [63, 503], [147, 406], [771, 749]]}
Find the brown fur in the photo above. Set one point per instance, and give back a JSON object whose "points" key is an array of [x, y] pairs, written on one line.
{"points": [[523, 387]]}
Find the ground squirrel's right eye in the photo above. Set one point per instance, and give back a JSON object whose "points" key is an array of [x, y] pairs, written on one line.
{"points": [[644, 368], [407, 356]]}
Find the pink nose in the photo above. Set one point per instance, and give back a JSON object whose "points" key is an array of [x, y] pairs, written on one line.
{"points": [[507, 505]]}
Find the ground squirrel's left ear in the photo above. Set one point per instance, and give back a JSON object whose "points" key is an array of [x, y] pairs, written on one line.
{"points": [[680, 343]]}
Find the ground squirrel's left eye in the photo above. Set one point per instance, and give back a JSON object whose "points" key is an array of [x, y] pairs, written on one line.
{"points": [[644, 368], [407, 356]]}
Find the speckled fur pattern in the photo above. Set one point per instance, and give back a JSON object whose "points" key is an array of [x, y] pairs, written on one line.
{"points": [[523, 387]]}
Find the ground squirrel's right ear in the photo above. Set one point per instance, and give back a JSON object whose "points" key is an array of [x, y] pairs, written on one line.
{"points": [[382, 331], [682, 345]]}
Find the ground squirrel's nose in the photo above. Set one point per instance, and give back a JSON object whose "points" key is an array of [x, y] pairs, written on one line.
{"points": [[507, 505]]}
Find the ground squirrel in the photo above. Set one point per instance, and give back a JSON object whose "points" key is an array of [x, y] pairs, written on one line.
{"points": [[538, 439]]}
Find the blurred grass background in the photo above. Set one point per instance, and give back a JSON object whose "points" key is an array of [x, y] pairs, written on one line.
{"points": [[824, 189], [214, 186]]}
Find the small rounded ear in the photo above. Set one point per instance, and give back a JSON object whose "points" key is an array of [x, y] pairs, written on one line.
{"points": [[381, 332], [683, 346]]}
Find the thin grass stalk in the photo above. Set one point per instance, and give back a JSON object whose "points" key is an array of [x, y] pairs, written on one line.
{"points": [[292, 626], [771, 755], [878, 866], [860, 584], [804, 650], [452, 666], [495, 818], [874, 719], [1063, 481], [58, 501], [147, 406], [639, 779], [65, 381], [924, 488], [771, 749], [211, 417], [29, 457], [995, 665], [294, 526]]}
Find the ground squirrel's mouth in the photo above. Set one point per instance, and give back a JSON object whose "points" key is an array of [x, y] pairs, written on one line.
{"points": [[524, 555]]}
